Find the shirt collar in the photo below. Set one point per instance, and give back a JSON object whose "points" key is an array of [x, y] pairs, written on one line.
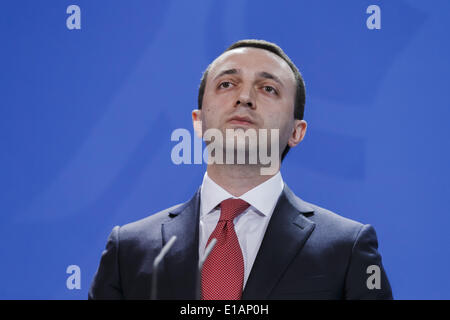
{"points": [[263, 197]]}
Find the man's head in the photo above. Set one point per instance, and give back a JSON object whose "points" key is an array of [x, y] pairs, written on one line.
{"points": [[257, 80]]}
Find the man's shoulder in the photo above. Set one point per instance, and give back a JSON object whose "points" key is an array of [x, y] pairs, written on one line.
{"points": [[329, 217], [326, 220], [149, 227], [154, 220]]}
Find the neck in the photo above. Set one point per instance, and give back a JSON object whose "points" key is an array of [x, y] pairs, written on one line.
{"points": [[237, 179]]}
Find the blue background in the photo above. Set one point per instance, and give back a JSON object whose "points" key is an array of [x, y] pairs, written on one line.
{"points": [[86, 117]]}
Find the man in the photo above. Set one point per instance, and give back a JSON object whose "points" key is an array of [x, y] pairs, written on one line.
{"points": [[270, 243]]}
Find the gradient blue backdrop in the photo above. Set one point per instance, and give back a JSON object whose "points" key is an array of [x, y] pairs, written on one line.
{"points": [[86, 117]]}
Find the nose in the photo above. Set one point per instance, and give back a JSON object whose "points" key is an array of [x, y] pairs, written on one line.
{"points": [[244, 103], [245, 98]]}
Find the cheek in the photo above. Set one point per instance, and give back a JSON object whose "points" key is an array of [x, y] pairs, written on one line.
{"points": [[210, 116], [216, 103], [282, 119], [214, 106], [277, 117]]}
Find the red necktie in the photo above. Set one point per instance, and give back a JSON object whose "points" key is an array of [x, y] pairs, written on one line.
{"points": [[223, 270]]}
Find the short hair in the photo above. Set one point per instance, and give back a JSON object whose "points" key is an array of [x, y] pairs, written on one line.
{"points": [[300, 97]]}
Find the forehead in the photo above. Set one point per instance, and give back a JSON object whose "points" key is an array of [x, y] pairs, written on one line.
{"points": [[253, 60]]}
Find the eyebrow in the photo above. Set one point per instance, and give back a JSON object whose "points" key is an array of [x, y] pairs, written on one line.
{"points": [[268, 75], [262, 74], [229, 71]]}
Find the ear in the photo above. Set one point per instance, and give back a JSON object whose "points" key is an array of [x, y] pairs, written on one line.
{"points": [[197, 122], [298, 133]]}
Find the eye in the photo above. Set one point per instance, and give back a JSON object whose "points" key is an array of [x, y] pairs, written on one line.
{"points": [[270, 89], [225, 84]]}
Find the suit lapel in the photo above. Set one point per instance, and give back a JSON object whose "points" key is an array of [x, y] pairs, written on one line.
{"points": [[285, 236], [182, 260]]}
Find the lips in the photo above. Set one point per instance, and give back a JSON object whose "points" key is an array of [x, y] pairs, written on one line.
{"points": [[240, 120]]}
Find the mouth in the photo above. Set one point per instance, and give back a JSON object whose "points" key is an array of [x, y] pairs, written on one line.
{"points": [[243, 120]]}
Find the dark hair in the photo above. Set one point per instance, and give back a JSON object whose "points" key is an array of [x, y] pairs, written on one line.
{"points": [[299, 106]]}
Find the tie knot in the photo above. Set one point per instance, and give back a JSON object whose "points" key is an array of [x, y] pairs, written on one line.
{"points": [[231, 208]]}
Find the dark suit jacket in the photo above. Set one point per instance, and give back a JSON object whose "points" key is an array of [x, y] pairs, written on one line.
{"points": [[307, 253]]}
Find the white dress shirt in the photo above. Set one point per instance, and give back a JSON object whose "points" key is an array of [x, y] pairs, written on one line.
{"points": [[250, 225]]}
